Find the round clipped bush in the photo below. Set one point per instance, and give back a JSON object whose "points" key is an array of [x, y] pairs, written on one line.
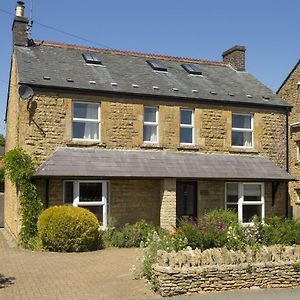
{"points": [[68, 229]]}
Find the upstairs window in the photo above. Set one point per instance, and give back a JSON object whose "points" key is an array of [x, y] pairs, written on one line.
{"points": [[150, 124], [242, 130], [192, 69], [91, 58], [157, 65], [186, 126], [85, 121]]}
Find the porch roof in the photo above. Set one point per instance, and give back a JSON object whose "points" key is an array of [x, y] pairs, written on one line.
{"points": [[78, 162]]}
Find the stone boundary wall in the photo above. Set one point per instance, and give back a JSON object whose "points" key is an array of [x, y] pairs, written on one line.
{"points": [[193, 271]]}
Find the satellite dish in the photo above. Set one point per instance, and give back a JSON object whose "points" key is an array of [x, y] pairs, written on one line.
{"points": [[26, 92]]}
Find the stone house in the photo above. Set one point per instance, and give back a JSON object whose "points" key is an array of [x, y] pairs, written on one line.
{"points": [[132, 135], [290, 91]]}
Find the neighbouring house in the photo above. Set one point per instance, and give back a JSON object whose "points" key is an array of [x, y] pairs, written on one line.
{"points": [[2, 152], [290, 91], [141, 136]]}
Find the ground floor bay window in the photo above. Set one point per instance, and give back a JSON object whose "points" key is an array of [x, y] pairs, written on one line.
{"points": [[91, 195], [247, 199]]}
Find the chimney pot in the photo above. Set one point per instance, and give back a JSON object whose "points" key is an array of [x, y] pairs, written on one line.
{"points": [[235, 56], [20, 9]]}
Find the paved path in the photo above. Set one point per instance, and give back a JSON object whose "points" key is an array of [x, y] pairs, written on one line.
{"points": [[255, 294], [94, 275]]}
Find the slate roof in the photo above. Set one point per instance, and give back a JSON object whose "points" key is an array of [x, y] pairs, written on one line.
{"points": [[78, 162], [60, 65]]}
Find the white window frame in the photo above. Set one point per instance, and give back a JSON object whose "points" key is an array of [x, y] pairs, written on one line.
{"points": [[237, 129], [77, 203], [83, 120], [151, 124], [241, 201], [186, 126]]}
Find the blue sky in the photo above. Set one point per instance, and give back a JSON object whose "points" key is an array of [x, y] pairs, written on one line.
{"points": [[191, 28]]}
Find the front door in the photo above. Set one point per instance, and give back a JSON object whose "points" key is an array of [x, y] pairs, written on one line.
{"points": [[186, 199]]}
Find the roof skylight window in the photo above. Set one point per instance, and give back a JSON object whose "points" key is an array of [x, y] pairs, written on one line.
{"points": [[91, 58], [157, 65], [192, 69]]}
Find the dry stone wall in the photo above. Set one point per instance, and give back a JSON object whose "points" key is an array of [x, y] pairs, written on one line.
{"points": [[192, 271]]}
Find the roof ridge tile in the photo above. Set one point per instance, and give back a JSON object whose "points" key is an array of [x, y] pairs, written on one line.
{"points": [[130, 53]]}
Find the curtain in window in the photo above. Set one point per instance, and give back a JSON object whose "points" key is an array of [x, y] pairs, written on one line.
{"points": [[90, 131]]}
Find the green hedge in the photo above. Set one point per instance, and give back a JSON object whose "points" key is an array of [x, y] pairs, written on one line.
{"points": [[68, 229]]}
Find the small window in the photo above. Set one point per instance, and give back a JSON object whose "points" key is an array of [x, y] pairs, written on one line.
{"points": [[246, 199], [85, 123], [298, 150], [242, 130], [91, 58], [298, 195], [157, 65], [186, 126], [192, 69], [150, 124]]}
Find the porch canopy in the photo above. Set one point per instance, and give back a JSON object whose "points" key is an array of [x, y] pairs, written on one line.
{"points": [[79, 162]]}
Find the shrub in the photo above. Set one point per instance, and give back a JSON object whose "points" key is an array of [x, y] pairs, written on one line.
{"points": [[131, 235], [68, 229], [280, 231], [209, 231]]}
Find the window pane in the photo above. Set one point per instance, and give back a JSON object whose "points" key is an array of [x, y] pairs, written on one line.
{"points": [[85, 130], [150, 114], [85, 110], [150, 134], [68, 192], [232, 192], [241, 138], [186, 117], [90, 191], [252, 192], [232, 207], [97, 211], [241, 121], [186, 135], [249, 211]]}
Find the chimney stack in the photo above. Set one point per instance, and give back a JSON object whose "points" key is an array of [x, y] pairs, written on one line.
{"points": [[235, 56], [19, 27]]}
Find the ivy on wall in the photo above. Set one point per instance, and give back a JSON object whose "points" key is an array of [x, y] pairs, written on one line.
{"points": [[19, 168]]}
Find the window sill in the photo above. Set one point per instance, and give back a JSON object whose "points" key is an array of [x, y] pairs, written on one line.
{"points": [[188, 147], [242, 150], [151, 146], [78, 143]]}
